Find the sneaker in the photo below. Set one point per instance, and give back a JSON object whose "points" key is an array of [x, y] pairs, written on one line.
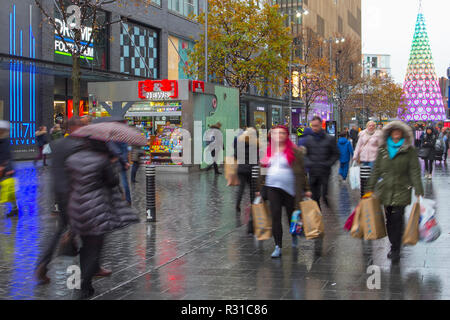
{"points": [[276, 253], [294, 242]]}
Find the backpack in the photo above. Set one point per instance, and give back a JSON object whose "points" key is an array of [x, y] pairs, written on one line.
{"points": [[439, 147]]}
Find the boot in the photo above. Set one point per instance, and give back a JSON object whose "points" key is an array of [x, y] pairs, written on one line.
{"points": [[41, 274], [103, 272]]}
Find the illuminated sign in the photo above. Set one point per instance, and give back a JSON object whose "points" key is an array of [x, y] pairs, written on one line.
{"points": [[198, 86], [62, 49], [22, 86], [295, 84], [158, 89]]}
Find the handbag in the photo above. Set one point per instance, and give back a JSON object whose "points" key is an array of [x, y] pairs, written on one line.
{"points": [[46, 150], [424, 153]]}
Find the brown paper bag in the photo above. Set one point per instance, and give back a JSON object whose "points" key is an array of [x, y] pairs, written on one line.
{"points": [[372, 219], [262, 221], [411, 235], [312, 219], [230, 168], [357, 231]]}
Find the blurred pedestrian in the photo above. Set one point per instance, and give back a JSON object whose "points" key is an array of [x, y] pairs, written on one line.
{"points": [[428, 144], [396, 170], [214, 165], [61, 150], [95, 205], [354, 132], [249, 140], [41, 140], [136, 154], [6, 163], [306, 133], [56, 132], [321, 154], [346, 154], [366, 152], [120, 150], [446, 143], [285, 181]]}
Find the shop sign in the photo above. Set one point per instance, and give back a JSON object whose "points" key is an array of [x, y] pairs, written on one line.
{"points": [[158, 89], [198, 86], [61, 48], [260, 109]]}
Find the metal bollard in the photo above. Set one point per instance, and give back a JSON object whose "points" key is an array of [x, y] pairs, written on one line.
{"points": [[253, 189], [150, 174]]}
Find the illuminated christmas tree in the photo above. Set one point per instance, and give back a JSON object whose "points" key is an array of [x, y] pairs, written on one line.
{"points": [[422, 91]]}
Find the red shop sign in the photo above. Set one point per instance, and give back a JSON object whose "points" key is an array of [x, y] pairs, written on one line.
{"points": [[158, 89], [198, 86]]}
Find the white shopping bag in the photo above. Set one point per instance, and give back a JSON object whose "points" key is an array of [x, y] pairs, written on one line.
{"points": [[429, 229], [46, 150], [354, 176]]}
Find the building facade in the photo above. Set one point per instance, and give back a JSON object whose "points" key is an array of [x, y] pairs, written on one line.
{"points": [[35, 66], [377, 65]]}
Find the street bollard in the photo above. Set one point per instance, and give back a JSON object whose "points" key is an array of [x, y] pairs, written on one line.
{"points": [[253, 190], [150, 174]]}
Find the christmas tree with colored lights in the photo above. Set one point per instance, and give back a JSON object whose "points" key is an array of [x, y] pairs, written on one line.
{"points": [[421, 87]]}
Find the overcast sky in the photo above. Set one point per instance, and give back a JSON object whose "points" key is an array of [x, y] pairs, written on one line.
{"points": [[388, 28]]}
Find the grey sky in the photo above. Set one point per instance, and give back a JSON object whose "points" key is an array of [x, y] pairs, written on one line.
{"points": [[388, 28]]}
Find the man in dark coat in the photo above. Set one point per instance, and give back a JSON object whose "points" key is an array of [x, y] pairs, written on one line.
{"points": [[321, 154], [354, 134]]}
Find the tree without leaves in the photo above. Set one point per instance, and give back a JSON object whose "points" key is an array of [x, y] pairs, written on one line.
{"points": [[89, 15], [247, 45]]}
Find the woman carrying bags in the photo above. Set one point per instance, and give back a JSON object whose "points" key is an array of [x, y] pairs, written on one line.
{"points": [[285, 181], [396, 172], [366, 151]]}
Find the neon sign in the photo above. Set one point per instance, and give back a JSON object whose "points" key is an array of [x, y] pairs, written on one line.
{"points": [[158, 89], [23, 121]]}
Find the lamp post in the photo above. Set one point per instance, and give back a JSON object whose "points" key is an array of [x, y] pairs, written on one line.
{"points": [[206, 40], [448, 103]]}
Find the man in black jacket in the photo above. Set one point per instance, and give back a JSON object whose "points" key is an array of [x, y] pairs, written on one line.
{"points": [[321, 154], [354, 133]]}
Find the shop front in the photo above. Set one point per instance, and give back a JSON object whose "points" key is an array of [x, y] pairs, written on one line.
{"points": [[159, 107]]}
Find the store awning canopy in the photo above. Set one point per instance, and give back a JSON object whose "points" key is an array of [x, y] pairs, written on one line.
{"points": [[50, 68]]}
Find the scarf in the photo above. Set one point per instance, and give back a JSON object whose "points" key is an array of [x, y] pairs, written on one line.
{"points": [[394, 147]]}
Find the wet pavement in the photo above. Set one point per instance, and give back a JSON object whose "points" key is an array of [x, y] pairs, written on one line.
{"points": [[198, 249]]}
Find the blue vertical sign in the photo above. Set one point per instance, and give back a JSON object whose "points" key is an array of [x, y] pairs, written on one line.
{"points": [[22, 117]]}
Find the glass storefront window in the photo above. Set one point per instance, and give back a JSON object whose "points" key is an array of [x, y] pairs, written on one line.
{"points": [[139, 52], [260, 120], [184, 7], [243, 115], [276, 115]]}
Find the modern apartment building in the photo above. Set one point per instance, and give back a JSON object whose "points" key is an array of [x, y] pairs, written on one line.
{"points": [[377, 65]]}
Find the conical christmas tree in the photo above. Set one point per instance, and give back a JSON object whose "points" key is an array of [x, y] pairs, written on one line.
{"points": [[422, 91]]}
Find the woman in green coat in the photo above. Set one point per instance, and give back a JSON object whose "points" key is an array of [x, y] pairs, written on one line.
{"points": [[396, 172]]}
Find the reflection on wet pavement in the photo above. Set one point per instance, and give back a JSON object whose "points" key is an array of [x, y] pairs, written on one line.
{"points": [[198, 249]]}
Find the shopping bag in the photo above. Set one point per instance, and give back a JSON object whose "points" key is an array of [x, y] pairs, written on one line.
{"points": [[356, 230], [429, 229], [230, 168], [262, 220], [7, 190], [349, 222], [312, 219], [411, 235], [296, 227], [354, 177], [372, 219], [46, 150], [245, 215], [68, 245]]}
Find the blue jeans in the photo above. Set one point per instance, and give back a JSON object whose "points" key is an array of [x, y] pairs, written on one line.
{"points": [[126, 186], [343, 170]]}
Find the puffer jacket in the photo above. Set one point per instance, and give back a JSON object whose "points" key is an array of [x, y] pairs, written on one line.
{"points": [[367, 146], [428, 141], [345, 150], [247, 138], [96, 205], [321, 154], [394, 178]]}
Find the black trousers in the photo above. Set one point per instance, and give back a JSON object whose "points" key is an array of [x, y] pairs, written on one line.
{"points": [[319, 187], [244, 179], [429, 166], [395, 225], [51, 246], [278, 199], [134, 170], [90, 259]]}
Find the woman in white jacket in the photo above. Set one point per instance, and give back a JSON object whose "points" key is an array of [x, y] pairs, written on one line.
{"points": [[366, 151]]}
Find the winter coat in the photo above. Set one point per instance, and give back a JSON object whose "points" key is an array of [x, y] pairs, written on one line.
{"points": [[354, 136], [428, 142], [321, 154], [120, 150], [136, 153], [41, 139], [250, 146], [345, 150], [301, 182], [61, 150], [96, 205], [367, 146], [306, 134], [395, 178]]}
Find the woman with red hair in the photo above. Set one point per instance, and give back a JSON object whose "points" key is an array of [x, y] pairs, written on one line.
{"points": [[285, 181]]}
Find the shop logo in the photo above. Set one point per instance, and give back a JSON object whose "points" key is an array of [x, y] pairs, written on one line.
{"points": [[198, 86], [158, 89]]}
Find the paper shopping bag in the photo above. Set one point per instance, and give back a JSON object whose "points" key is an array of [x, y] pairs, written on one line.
{"points": [[262, 221], [7, 191], [411, 235], [372, 219], [230, 168], [312, 219], [357, 231]]}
